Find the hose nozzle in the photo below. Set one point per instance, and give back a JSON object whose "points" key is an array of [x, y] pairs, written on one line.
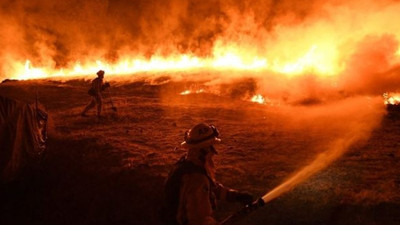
{"points": [[243, 212], [255, 205]]}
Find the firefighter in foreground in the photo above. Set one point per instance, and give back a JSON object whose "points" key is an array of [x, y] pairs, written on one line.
{"points": [[95, 91], [191, 190]]}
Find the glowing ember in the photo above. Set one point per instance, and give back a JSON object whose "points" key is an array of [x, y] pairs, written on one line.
{"points": [[187, 92], [258, 99], [391, 98]]}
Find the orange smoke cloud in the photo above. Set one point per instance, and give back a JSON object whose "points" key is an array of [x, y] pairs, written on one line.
{"points": [[355, 125], [370, 68], [355, 42]]}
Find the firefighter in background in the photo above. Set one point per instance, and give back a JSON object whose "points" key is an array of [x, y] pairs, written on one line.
{"points": [[95, 91], [191, 190]]}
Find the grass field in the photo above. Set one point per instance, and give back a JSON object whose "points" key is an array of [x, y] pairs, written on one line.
{"points": [[111, 171]]}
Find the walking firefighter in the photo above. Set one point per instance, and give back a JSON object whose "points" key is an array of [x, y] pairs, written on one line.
{"points": [[97, 86]]}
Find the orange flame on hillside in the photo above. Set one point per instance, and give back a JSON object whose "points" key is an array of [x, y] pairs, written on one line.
{"points": [[188, 92], [318, 38], [223, 60], [391, 98], [258, 99]]}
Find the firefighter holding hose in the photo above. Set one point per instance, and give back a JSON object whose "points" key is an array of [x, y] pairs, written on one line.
{"points": [[95, 90], [191, 191]]}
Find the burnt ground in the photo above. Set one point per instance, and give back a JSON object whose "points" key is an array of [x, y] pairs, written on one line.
{"points": [[112, 171]]}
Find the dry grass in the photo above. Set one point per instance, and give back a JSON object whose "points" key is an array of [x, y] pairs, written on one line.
{"points": [[111, 171]]}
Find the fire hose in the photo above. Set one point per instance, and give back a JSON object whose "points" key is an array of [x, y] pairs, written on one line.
{"points": [[243, 212], [239, 215], [337, 148], [284, 187]]}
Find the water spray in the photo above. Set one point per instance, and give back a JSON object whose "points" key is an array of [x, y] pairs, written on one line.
{"points": [[358, 126], [320, 162]]}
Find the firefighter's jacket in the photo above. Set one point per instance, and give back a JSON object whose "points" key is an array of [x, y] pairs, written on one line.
{"points": [[97, 86], [198, 193]]}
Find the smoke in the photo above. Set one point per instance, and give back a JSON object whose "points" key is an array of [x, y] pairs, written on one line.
{"points": [[48, 32], [354, 118], [369, 68], [355, 41]]}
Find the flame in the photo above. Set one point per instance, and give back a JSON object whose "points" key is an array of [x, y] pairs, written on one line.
{"points": [[32, 72], [124, 66], [391, 98], [314, 60], [258, 99], [187, 92], [320, 43], [224, 58]]}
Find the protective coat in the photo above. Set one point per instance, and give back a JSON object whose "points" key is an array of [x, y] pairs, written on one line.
{"points": [[23, 134], [192, 192]]}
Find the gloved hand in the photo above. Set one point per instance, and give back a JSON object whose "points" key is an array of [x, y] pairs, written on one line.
{"points": [[106, 84], [244, 198]]}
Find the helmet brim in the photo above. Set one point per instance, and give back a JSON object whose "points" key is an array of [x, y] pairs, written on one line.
{"points": [[206, 143]]}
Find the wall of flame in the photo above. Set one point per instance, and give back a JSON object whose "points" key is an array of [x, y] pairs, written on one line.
{"points": [[357, 42]]}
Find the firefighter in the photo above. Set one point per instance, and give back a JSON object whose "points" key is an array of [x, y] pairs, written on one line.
{"points": [[95, 91], [191, 190]]}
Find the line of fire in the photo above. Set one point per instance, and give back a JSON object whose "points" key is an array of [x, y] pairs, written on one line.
{"points": [[188, 112]]}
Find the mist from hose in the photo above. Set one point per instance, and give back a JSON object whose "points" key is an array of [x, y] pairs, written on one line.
{"points": [[365, 114]]}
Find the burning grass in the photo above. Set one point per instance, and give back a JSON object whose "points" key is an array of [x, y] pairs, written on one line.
{"points": [[392, 102], [391, 98]]}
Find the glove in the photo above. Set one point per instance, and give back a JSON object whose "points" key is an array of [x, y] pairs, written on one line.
{"points": [[244, 198], [107, 85]]}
